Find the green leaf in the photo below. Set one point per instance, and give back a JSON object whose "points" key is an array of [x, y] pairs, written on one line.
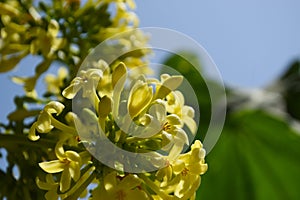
{"points": [[290, 84], [256, 157]]}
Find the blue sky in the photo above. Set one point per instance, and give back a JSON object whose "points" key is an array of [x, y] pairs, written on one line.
{"points": [[250, 41]]}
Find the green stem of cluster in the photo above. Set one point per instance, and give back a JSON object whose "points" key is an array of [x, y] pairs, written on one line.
{"points": [[11, 141]]}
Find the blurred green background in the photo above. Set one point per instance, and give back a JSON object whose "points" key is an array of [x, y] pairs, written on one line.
{"points": [[257, 154]]}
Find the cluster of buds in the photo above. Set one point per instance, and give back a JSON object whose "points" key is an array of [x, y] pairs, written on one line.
{"points": [[145, 117]]}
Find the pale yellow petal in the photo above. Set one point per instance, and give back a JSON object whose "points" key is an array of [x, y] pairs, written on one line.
{"points": [[65, 181], [32, 133], [119, 76], [54, 107], [178, 166], [173, 82], [44, 123], [173, 119], [70, 91], [73, 156], [139, 98], [198, 168], [43, 185], [59, 151], [129, 182], [191, 124], [74, 170], [54, 166]]}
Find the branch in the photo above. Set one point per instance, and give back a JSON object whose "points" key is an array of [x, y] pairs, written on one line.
{"points": [[11, 141]]}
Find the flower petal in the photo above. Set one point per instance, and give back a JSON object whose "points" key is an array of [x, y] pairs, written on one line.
{"points": [[44, 123], [190, 123], [173, 119], [73, 156], [43, 185], [158, 111], [74, 170], [54, 107], [129, 182], [180, 136], [139, 98], [65, 181], [198, 168], [178, 166], [119, 76], [32, 134], [53, 166], [70, 91], [110, 181]]}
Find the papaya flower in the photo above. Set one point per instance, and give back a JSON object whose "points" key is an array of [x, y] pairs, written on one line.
{"points": [[68, 162], [187, 170], [46, 122], [87, 81], [115, 187], [175, 104], [50, 185], [174, 137]]}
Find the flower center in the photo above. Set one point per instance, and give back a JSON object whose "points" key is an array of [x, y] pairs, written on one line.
{"points": [[185, 172], [167, 126]]}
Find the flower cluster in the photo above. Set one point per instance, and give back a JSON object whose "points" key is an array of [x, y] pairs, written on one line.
{"points": [[114, 105], [139, 115], [63, 31]]}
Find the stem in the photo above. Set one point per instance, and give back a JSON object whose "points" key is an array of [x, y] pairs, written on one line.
{"points": [[10, 141], [61, 126]]}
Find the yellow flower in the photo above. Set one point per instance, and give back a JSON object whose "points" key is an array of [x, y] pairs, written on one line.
{"points": [[49, 185], [45, 120], [115, 187], [139, 98], [190, 166], [187, 170], [175, 105], [173, 136], [87, 81], [69, 163]]}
